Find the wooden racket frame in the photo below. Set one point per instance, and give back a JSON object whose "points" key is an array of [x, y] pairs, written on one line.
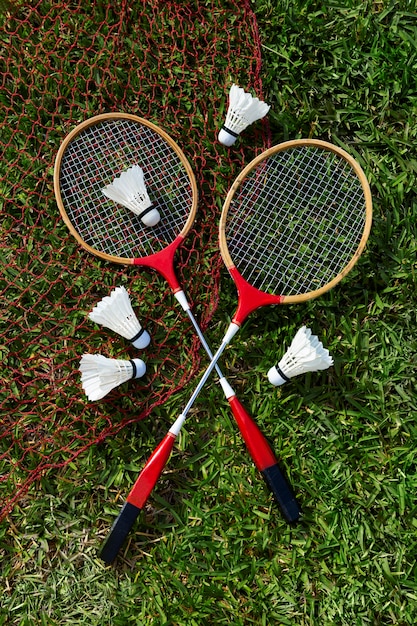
{"points": [[260, 296], [162, 260]]}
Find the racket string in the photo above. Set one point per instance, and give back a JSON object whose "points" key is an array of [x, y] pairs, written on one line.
{"points": [[296, 220], [326, 256], [94, 158]]}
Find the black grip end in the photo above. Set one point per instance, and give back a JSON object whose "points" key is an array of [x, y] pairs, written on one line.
{"points": [[283, 493], [119, 532]]}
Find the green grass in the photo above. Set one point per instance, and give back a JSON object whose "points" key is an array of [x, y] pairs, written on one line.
{"points": [[210, 547]]}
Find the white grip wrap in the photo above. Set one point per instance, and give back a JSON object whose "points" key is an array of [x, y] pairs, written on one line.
{"points": [[177, 425], [181, 297], [227, 389], [231, 332], [275, 377]]}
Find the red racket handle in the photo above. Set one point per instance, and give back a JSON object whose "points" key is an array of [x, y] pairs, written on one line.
{"points": [[265, 461], [137, 498]]}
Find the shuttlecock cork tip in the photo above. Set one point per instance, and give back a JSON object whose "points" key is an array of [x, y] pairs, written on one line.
{"points": [[141, 340], [139, 368], [276, 377], [227, 137], [150, 217]]}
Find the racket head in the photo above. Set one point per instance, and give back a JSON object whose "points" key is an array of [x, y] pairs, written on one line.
{"points": [[91, 156], [294, 223]]}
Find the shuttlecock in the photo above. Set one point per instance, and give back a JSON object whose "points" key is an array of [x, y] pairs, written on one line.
{"points": [[99, 374], [129, 189], [115, 312], [243, 110], [305, 354]]}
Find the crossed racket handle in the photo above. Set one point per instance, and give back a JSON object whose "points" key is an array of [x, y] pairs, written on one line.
{"points": [[256, 443]]}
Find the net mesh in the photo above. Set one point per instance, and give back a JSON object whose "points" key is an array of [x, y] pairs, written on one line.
{"points": [[169, 62]]}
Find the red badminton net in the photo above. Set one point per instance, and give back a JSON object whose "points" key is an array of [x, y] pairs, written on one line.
{"points": [[172, 63]]}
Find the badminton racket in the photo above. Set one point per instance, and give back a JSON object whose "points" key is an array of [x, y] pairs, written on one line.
{"points": [[294, 223], [90, 157]]}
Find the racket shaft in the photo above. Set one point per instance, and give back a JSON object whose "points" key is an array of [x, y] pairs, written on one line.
{"points": [[257, 445], [205, 377], [137, 498], [265, 461]]}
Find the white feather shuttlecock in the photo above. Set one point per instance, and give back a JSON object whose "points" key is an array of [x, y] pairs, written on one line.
{"points": [[243, 110], [129, 189], [115, 312], [99, 374], [305, 354]]}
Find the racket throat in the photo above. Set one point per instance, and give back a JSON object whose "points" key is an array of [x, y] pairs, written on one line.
{"points": [[163, 262], [250, 298]]}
